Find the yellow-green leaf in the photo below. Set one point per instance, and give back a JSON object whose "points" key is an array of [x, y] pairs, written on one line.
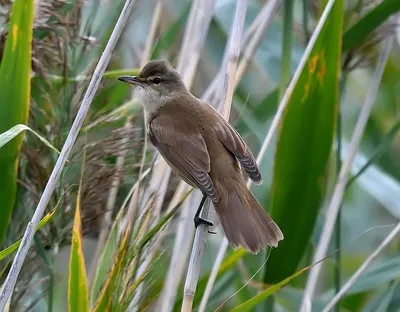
{"points": [[303, 149], [103, 303], [78, 295], [5, 252], [251, 303], [10, 134], [15, 82]]}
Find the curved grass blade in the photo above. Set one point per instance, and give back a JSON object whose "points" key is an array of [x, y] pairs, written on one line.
{"points": [[10, 134], [5, 252], [369, 23], [162, 222], [251, 303], [15, 83], [304, 144]]}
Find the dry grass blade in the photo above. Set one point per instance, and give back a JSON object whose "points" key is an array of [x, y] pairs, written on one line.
{"points": [[198, 244], [65, 152], [334, 205]]}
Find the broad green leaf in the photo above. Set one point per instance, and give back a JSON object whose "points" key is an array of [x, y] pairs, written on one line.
{"points": [[78, 297], [5, 252], [303, 149], [15, 83], [16, 130], [369, 23]]}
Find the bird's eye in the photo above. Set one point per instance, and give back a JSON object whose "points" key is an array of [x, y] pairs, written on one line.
{"points": [[157, 80]]}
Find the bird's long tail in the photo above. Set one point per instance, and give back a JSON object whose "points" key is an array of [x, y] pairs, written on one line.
{"points": [[245, 222]]}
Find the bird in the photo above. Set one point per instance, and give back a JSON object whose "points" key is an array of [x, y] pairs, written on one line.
{"points": [[206, 152]]}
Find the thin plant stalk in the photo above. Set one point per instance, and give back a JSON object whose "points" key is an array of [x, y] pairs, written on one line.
{"points": [[199, 243], [287, 44], [112, 195], [180, 252], [202, 21], [184, 51], [338, 236], [152, 33], [340, 187], [372, 257], [267, 14], [12, 276], [274, 125], [253, 36]]}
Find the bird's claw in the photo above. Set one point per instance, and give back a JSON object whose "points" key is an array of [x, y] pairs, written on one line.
{"points": [[200, 220]]}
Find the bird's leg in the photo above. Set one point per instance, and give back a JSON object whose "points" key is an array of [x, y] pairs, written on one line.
{"points": [[199, 220]]}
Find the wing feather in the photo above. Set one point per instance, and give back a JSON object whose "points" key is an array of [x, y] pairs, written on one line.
{"points": [[236, 145], [185, 151]]}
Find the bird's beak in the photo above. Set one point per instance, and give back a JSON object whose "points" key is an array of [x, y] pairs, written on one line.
{"points": [[134, 80]]}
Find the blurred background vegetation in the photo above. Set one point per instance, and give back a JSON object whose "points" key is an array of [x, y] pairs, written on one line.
{"points": [[67, 41]]}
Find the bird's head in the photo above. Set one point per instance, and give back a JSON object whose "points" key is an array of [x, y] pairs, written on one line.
{"points": [[156, 84]]}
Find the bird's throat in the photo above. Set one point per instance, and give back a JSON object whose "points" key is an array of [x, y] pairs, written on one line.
{"points": [[151, 99]]}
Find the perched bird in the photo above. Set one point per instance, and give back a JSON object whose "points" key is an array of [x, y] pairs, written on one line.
{"points": [[206, 151]]}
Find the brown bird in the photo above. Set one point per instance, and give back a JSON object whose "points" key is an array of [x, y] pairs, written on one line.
{"points": [[206, 151]]}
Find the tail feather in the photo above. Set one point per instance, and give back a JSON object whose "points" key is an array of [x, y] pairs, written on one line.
{"points": [[245, 222]]}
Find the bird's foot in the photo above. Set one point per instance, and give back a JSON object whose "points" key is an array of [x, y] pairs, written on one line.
{"points": [[199, 220]]}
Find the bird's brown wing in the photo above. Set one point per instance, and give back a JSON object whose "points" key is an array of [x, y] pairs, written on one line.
{"points": [[184, 149], [238, 147]]}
